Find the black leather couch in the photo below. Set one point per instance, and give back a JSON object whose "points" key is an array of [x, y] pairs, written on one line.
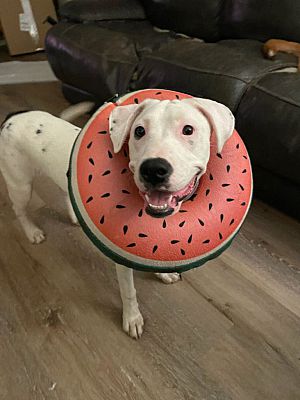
{"points": [[103, 47]]}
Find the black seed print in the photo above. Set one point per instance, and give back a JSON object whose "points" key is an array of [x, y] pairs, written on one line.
{"points": [[201, 222], [158, 93], [177, 97], [44, 150], [125, 191], [38, 131], [211, 177], [140, 212], [190, 239], [244, 171], [245, 157], [175, 241], [206, 241], [136, 101], [105, 195], [91, 161], [243, 203], [125, 229], [90, 178], [102, 220], [220, 236], [228, 168], [109, 154], [131, 245], [107, 172], [221, 217], [232, 221], [89, 145], [154, 248], [225, 184], [124, 170], [182, 211], [142, 235], [210, 206], [102, 132], [89, 199], [193, 196], [237, 146], [229, 200], [120, 206], [219, 155], [164, 225], [125, 153], [207, 192], [182, 252]]}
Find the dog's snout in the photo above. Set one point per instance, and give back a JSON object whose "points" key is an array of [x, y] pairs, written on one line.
{"points": [[155, 171]]}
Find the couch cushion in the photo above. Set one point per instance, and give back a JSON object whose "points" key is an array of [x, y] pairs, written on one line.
{"points": [[221, 71], [91, 58], [268, 119], [261, 20]]}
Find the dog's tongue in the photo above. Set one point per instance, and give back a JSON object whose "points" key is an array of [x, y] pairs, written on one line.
{"points": [[158, 198]]}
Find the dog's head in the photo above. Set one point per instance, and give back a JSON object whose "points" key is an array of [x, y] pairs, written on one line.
{"points": [[169, 146]]}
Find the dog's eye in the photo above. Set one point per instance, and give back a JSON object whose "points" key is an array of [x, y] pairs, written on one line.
{"points": [[139, 132], [187, 130]]}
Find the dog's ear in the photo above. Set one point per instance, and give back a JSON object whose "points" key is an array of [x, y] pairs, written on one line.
{"points": [[121, 120], [220, 118]]}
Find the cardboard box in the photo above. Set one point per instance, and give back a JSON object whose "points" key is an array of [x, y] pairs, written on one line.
{"points": [[23, 24]]}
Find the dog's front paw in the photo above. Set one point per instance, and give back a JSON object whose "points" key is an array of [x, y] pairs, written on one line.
{"points": [[168, 278], [36, 236], [133, 324]]}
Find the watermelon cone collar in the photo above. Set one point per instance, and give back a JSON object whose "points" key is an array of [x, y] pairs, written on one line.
{"points": [[111, 211]]}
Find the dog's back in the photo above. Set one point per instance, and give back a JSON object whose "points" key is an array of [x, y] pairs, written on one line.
{"points": [[36, 142]]}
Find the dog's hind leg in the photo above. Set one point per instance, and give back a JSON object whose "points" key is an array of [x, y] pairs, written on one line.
{"points": [[18, 175], [20, 197]]}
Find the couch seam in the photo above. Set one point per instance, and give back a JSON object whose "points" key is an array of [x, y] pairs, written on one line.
{"points": [[277, 96]]}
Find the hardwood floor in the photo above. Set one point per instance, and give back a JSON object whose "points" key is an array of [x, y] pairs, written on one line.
{"points": [[229, 331]]}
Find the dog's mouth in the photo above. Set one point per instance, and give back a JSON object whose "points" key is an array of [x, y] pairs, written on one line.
{"points": [[160, 204]]}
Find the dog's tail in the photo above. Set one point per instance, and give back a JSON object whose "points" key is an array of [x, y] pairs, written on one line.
{"points": [[77, 110]]}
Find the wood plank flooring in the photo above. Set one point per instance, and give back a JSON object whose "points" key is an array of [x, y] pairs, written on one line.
{"points": [[229, 331]]}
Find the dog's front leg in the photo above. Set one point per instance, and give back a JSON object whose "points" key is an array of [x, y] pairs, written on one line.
{"points": [[132, 318]]}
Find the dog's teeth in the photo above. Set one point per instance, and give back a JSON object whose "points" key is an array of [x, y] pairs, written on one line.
{"points": [[147, 198], [163, 207]]}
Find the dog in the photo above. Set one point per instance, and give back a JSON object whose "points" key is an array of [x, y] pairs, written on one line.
{"points": [[169, 148]]}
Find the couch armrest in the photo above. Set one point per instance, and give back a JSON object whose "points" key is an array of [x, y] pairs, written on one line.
{"points": [[102, 10]]}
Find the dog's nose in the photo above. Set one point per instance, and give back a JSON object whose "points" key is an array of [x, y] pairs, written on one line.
{"points": [[155, 171]]}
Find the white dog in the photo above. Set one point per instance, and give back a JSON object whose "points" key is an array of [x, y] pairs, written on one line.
{"points": [[169, 146]]}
